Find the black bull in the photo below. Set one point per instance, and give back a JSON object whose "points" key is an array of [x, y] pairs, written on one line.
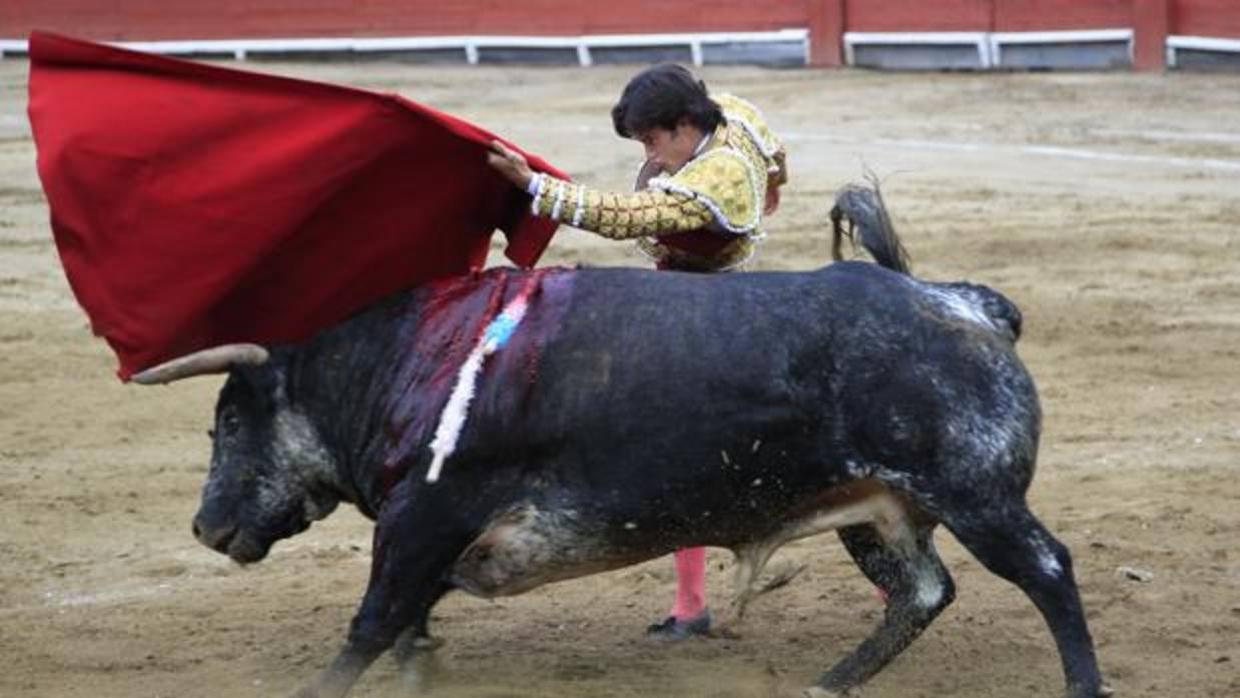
{"points": [[633, 413]]}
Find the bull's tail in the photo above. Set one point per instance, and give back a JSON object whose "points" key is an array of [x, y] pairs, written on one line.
{"points": [[868, 219], [869, 225]]}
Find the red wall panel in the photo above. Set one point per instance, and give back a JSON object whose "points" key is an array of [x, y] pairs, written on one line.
{"points": [[1056, 15], [986, 15], [228, 19], [1219, 18], [231, 19], [918, 15]]}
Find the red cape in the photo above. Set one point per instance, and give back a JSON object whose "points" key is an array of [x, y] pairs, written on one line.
{"points": [[195, 205]]}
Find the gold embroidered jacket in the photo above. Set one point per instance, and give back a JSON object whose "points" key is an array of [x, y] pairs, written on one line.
{"points": [[723, 188]]}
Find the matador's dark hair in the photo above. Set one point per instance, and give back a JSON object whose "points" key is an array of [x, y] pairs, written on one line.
{"points": [[659, 97]]}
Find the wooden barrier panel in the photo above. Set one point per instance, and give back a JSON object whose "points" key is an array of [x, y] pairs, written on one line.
{"points": [[1217, 18], [1061, 15], [141, 20], [986, 15], [918, 15], [1151, 21]]}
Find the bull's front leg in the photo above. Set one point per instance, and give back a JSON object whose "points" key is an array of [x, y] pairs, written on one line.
{"points": [[415, 648], [337, 679], [414, 547]]}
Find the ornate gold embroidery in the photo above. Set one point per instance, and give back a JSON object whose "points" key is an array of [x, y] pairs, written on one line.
{"points": [[623, 216]]}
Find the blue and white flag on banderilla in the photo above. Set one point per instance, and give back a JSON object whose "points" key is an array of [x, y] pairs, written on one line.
{"points": [[452, 419]]}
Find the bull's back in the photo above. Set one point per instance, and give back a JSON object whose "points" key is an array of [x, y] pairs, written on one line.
{"points": [[689, 389], [628, 328], [850, 362]]}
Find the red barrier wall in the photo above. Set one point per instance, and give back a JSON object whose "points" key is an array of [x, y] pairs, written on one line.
{"points": [[1054, 15], [138, 20], [987, 15], [1206, 18], [135, 20], [918, 15]]}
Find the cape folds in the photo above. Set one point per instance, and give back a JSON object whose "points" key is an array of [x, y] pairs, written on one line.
{"points": [[195, 205]]}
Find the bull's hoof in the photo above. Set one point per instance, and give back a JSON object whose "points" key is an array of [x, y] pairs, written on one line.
{"points": [[410, 647], [417, 645], [728, 629], [419, 668], [820, 692], [1103, 691], [427, 644]]}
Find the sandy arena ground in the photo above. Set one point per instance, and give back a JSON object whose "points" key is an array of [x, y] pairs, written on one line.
{"points": [[1106, 205]]}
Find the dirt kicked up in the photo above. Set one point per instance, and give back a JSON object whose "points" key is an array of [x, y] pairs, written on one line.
{"points": [[1106, 205]]}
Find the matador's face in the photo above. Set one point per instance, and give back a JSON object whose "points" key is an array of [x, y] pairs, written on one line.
{"points": [[670, 149]]}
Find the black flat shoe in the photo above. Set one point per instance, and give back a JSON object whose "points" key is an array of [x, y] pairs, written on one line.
{"points": [[674, 630]]}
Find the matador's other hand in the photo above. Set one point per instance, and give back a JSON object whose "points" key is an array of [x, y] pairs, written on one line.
{"points": [[772, 200], [510, 164]]}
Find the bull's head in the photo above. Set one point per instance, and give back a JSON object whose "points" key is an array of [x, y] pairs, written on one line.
{"points": [[271, 474]]}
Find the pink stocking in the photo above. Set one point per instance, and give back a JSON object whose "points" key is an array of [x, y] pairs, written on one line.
{"points": [[690, 583]]}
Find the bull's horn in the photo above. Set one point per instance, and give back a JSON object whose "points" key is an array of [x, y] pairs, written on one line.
{"points": [[213, 360]]}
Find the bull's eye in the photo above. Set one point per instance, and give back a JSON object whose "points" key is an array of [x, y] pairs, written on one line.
{"points": [[211, 434]]}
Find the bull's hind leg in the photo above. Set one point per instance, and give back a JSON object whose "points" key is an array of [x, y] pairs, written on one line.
{"points": [[1012, 543], [900, 559], [860, 502], [750, 561]]}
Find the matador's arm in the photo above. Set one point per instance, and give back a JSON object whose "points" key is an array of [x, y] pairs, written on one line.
{"points": [[617, 216]]}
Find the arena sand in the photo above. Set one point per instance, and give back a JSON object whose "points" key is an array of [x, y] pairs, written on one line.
{"points": [[1107, 205]]}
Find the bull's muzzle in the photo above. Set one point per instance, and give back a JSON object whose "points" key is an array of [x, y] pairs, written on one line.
{"points": [[218, 538]]}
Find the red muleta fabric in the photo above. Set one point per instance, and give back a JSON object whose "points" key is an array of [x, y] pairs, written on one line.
{"points": [[195, 205]]}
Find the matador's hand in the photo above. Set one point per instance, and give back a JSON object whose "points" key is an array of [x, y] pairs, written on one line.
{"points": [[510, 163]]}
